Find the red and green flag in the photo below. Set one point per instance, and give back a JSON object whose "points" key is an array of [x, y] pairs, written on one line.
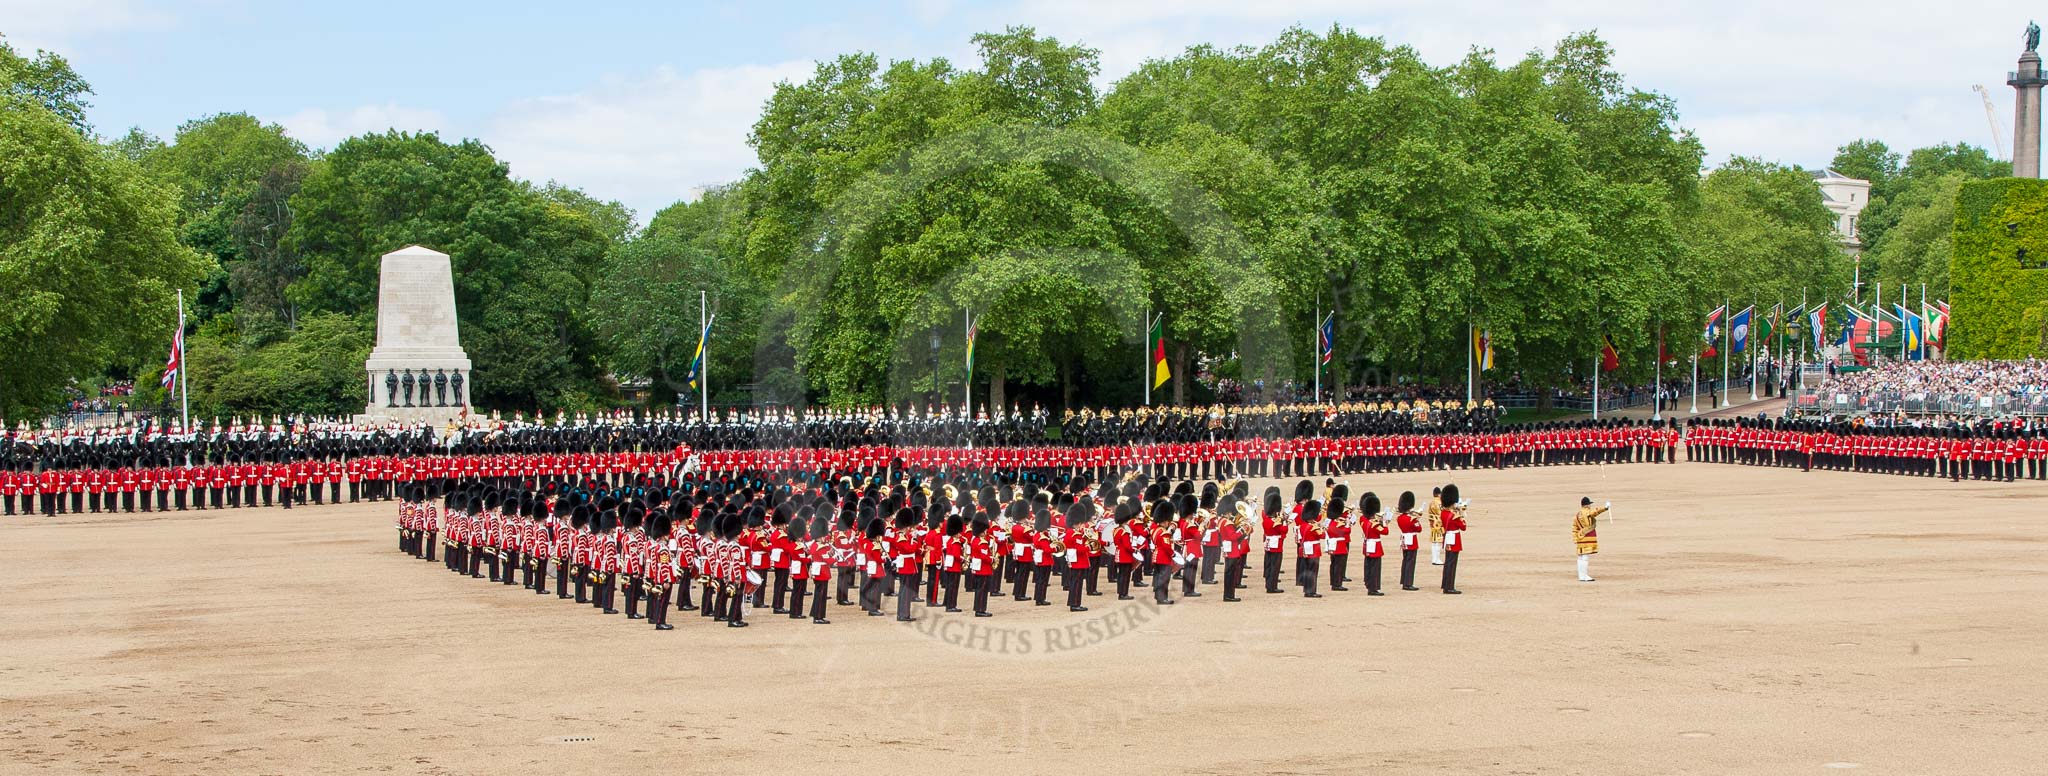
{"points": [[1160, 372]]}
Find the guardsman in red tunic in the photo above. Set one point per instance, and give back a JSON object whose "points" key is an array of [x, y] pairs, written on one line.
{"points": [[1410, 524], [1337, 535], [736, 569], [1453, 516], [659, 569], [981, 563], [1162, 540], [1235, 543], [906, 553], [1309, 533], [95, 485], [129, 482], [1129, 538], [818, 556], [1079, 550], [52, 484], [874, 563], [1273, 530], [845, 555], [1375, 527]]}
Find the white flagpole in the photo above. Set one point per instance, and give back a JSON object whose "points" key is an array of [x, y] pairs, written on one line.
{"points": [[1315, 339], [1145, 353], [184, 371], [1657, 382], [1471, 354], [967, 395], [1727, 340], [1695, 384], [1596, 381], [703, 360], [1749, 348]]}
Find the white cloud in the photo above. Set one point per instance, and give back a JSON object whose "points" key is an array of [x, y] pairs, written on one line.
{"points": [[322, 128], [646, 140], [58, 25]]}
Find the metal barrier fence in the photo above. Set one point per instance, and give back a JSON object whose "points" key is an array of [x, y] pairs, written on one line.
{"points": [[1817, 402], [1576, 403]]}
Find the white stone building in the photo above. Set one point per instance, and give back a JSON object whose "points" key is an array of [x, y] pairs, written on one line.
{"points": [[1846, 197]]}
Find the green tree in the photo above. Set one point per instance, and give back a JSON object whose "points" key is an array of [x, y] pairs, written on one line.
{"points": [[1762, 236], [89, 259], [644, 307], [222, 165], [1917, 248], [47, 82], [1866, 159], [523, 262], [1898, 190]]}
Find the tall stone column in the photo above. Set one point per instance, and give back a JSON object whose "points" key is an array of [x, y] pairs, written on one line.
{"points": [[416, 337], [2026, 83]]}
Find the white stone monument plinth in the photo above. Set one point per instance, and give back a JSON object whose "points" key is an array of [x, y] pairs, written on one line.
{"points": [[417, 338]]}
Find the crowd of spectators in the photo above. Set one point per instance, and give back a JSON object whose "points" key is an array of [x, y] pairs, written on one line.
{"points": [[1974, 378]]}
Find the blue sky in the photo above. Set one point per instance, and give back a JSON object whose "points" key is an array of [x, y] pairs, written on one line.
{"points": [[647, 102]]}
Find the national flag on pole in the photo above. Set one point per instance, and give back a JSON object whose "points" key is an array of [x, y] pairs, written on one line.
{"points": [[1817, 323], [1326, 339], [1935, 321], [1738, 330], [973, 327], [1767, 325], [1712, 332], [697, 363], [1482, 348], [1910, 327], [1160, 372], [1610, 358], [177, 360], [1849, 326]]}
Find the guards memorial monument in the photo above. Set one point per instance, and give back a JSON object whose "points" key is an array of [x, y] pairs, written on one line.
{"points": [[417, 372]]}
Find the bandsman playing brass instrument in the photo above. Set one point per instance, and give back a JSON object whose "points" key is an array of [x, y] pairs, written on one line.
{"points": [[1375, 529], [1435, 512]]}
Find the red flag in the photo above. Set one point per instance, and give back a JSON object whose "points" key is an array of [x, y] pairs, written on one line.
{"points": [[1610, 359]]}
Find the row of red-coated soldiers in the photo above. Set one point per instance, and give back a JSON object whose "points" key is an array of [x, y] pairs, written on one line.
{"points": [[231, 486], [1244, 457], [1916, 452], [614, 548], [56, 491]]}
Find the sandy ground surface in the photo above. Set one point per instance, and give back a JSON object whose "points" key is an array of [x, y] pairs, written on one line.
{"points": [[1745, 621]]}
